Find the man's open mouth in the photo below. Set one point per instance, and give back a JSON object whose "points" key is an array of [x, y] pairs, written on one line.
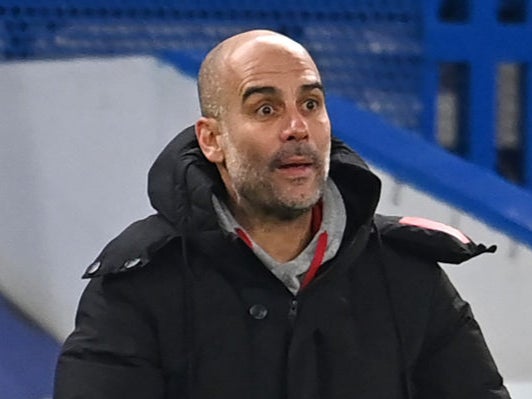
{"points": [[296, 162]]}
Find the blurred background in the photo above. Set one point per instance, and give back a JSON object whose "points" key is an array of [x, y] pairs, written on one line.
{"points": [[435, 94]]}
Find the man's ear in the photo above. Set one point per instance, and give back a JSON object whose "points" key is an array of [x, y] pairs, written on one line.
{"points": [[208, 136]]}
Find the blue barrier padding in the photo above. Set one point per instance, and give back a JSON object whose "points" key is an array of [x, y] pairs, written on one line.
{"points": [[411, 159], [483, 41], [27, 356]]}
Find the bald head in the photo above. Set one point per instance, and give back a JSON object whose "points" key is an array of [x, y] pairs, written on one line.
{"points": [[217, 64]]}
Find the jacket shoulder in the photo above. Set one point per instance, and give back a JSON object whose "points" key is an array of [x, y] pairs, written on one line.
{"points": [[429, 239], [133, 248]]}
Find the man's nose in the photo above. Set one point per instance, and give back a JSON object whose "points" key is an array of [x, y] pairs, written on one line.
{"points": [[296, 127]]}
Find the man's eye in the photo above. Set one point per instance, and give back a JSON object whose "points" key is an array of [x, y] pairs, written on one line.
{"points": [[311, 105], [265, 110]]}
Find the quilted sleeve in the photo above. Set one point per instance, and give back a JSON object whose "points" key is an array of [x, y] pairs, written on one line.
{"points": [[455, 361], [112, 352]]}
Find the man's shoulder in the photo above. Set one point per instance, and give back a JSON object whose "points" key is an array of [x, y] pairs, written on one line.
{"points": [[427, 239], [133, 248]]}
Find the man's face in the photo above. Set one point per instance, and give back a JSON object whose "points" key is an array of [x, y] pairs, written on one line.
{"points": [[275, 130]]}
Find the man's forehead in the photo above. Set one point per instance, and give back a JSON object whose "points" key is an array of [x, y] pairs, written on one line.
{"points": [[263, 59], [268, 64]]}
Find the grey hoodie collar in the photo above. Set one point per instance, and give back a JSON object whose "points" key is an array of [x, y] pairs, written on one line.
{"points": [[292, 272]]}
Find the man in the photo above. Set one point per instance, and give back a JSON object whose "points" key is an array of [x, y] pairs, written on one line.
{"points": [[265, 276]]}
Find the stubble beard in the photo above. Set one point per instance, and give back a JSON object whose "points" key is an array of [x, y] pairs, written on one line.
{"points": [[255, 189]]}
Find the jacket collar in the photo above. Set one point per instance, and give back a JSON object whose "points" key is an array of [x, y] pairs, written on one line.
{"points": [[181, 183]]}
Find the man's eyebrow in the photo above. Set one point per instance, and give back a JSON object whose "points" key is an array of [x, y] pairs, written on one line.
{"points": [[258, 90], [272, 90], [312, 86]]}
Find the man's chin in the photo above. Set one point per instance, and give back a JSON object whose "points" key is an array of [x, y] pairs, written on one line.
{"points": [[292, 208]]}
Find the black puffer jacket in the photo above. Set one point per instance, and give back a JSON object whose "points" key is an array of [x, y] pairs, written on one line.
{"points": [[177, 309]]}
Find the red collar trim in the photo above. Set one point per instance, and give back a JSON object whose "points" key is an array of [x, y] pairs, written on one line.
{"points": [[244, 237], [321, 247], [317, 261]]}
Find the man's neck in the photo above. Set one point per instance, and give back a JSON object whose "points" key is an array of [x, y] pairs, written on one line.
{"points": [[283, 240]]}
